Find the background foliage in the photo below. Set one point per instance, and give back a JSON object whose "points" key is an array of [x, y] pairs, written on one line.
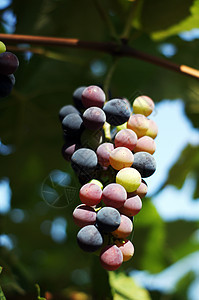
{"points": [[29, 122]]}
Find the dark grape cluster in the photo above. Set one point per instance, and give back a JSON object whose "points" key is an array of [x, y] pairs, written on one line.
{"points": [[8, 65], [110, 168]]}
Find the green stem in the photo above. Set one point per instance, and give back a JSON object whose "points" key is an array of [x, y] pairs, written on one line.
{"points": [[128, 25], [105, 17]]}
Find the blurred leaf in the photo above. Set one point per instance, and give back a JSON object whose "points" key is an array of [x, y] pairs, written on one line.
{"points": [[125, 288], [186, 165], [182, 286], [190, 20]]}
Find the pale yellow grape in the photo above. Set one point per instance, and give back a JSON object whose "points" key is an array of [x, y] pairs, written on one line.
{"points": [[143, 105], [2, 47], [95, 181], [129, 178]]}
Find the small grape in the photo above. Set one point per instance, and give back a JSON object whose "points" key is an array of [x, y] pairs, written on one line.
{"points": [[84, 215], [146, 144], [125, 228], [114, 195], [95, 181], [129, 178], [93, 95], [126, 138], [91, 139], [8, 63], [89, 238], [111, 257], [66, 110], [121, 157], [84, 161], [131, 206], [6, 86], [126, 248], [77, 97], [145, 163], [143, 105], [139, 124], [117, 112], [90, 194], [2, 47], [152, 130], [108, 219], [94, 118], [103, 154], [72, 124], [141, 190]]}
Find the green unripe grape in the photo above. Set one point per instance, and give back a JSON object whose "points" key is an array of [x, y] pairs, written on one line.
{"points": [[129, 178], [95, 181], [143, 105], [2, 47]]}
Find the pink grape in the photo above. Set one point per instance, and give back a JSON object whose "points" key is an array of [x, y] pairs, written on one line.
{"points": [[141, 190], [152, 130], [146, 144], [126, 138], [125, 228], [131, 206], [84, 215], [120, 158], [90, 194], [126, 248], [139, 124], [103, 154], [114, 195], [93, 95], [111, 257]]}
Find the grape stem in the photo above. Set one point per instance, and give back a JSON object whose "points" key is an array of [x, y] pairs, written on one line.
{"points": [[112, 48]]}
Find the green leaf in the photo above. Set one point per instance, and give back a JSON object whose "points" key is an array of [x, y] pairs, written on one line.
{"points": [[187, 164], [126, 288], [187, 23]]}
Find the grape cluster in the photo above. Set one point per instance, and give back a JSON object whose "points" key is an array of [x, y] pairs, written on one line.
{"points": [[111, 171], [8, 65]]}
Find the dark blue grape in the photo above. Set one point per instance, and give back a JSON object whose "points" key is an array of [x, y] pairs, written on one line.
{"points": [[117, 112], [77, 97], [108, 219], [94, 118], [72, 124], [8, 63], [89, 238], [84, 161], [6, 84], [66, 110], [145, 164]]}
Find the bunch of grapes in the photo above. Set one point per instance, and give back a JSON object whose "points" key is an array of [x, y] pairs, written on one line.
{"points": [[111, 171], [8, 65]]}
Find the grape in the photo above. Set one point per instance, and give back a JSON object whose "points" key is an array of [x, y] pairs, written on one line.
{"points": [[129, 178], [125, 228], [152, 130], [2, 47], [117, 112], [121, 157], [72, 124], [93, 96], [103, 154], [6, 84], [90, 194], [108, 219], [77, 97], [126, 138], [66, 110], [143, 105], [131, 206], [126, 248], [139, 124], [68, 149], [8, 63], [89, 238], [84, 161], [141, 190], [94, 118], [91, 139], [84, 215], [111, 257], [114, 195], [95, 181], [145, 163], [146, 144]]}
